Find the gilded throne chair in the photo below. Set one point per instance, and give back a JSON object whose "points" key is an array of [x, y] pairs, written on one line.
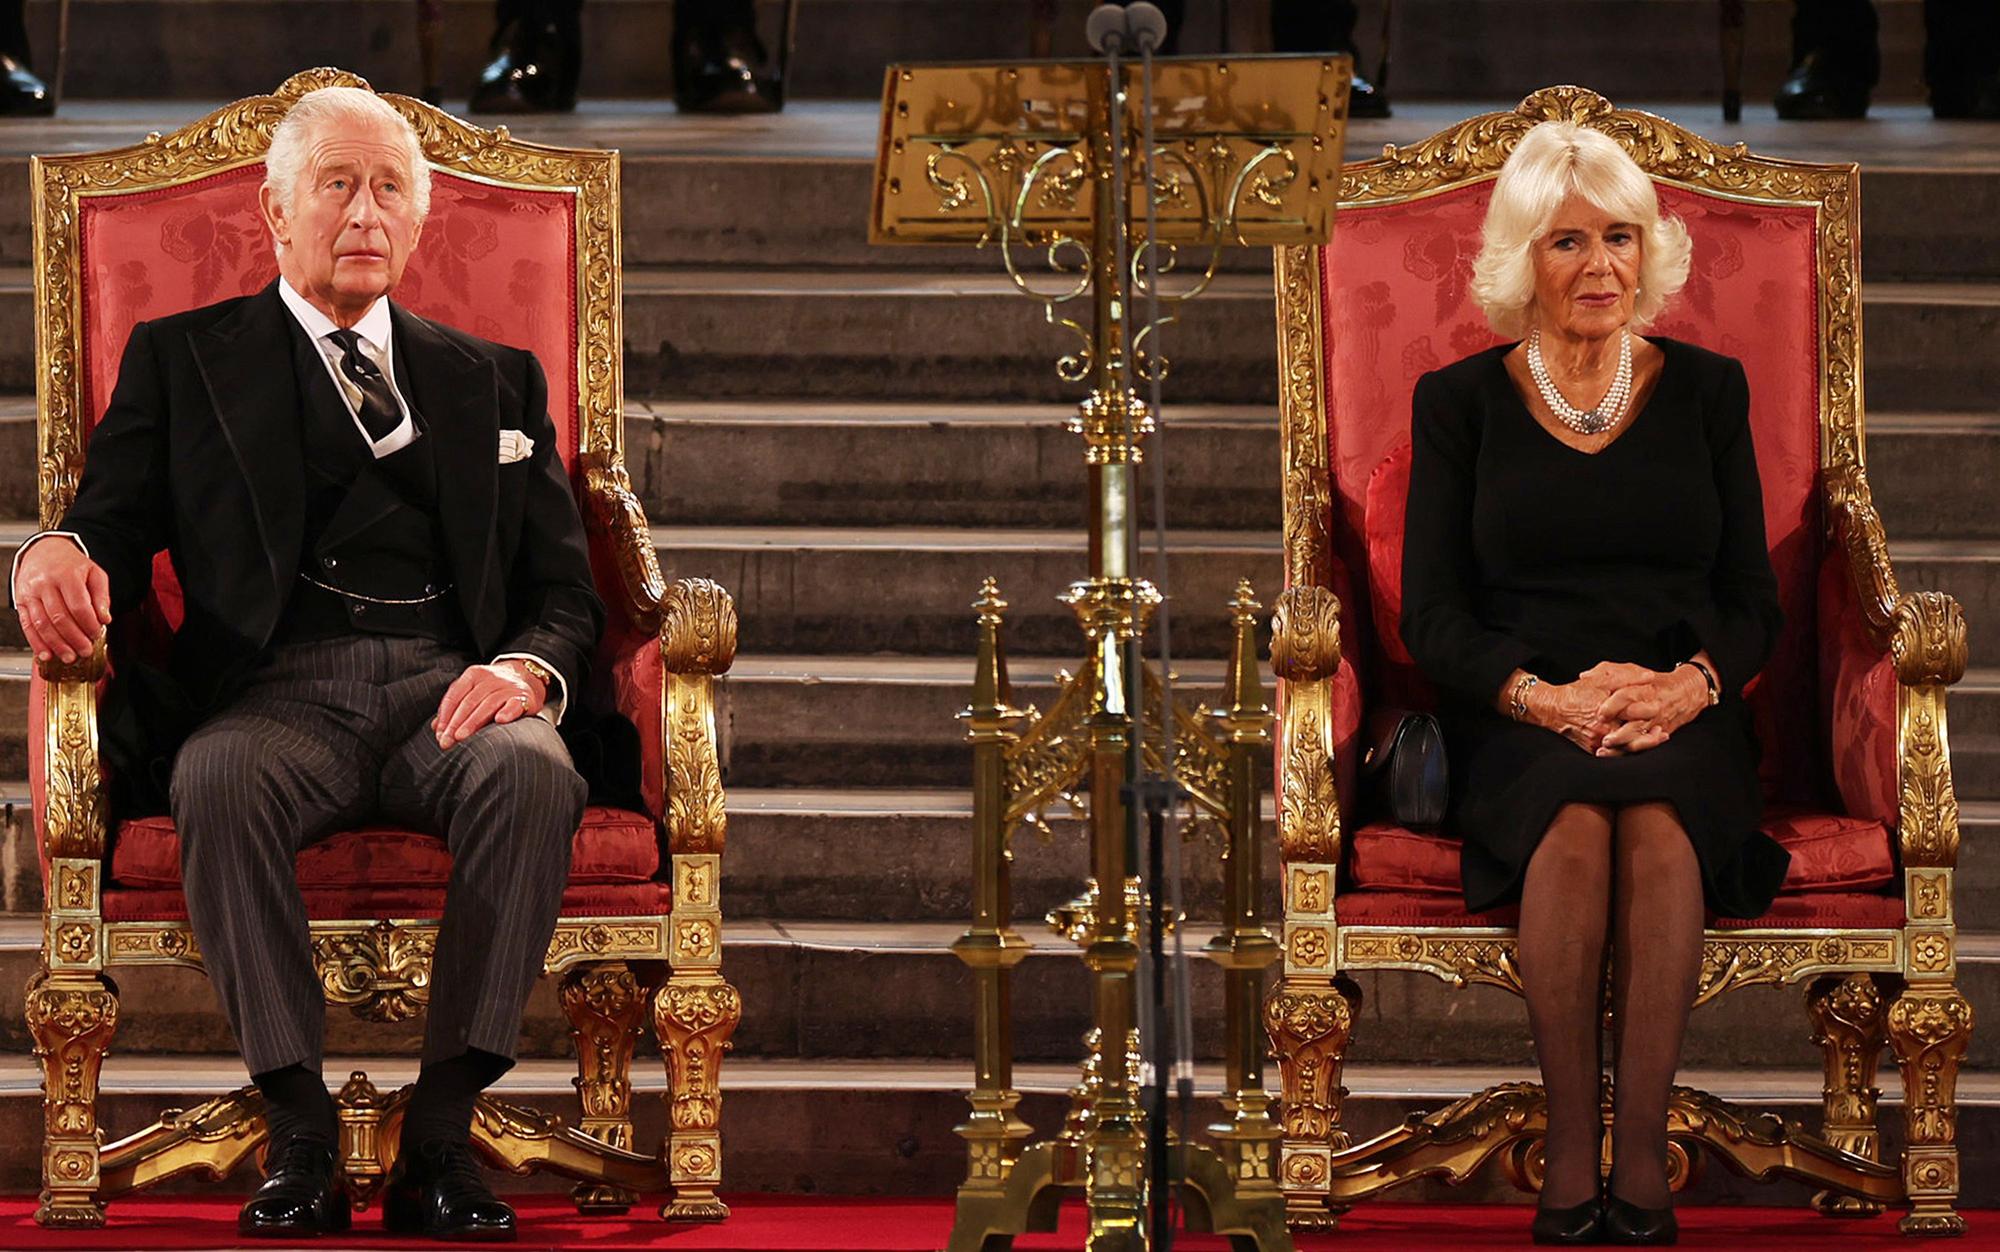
{"points": [[521, 247], [1850, 709]]}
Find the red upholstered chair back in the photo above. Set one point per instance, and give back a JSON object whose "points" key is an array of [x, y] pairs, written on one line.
{"points": [[1395, 294]]}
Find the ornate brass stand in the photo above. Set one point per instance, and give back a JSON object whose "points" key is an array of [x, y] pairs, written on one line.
{"points": [[1043, 155]]}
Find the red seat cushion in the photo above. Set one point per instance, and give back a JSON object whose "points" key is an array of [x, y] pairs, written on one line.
{"points": [[612, 846], [1830, 853], [1859, 910], [620, 899]]}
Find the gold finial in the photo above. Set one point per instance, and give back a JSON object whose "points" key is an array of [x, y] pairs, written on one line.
{"points": [[989, 603], [1243, 605]]}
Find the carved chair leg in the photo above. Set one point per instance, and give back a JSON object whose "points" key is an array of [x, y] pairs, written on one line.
{"points": [[1850, 1026], [606, 1004], [1929, 1027], [694, 1014], [72, 1016], [1309, 1020]]}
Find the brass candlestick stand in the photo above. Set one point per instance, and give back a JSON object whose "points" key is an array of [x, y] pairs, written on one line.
{"points": [[1246, 152]]}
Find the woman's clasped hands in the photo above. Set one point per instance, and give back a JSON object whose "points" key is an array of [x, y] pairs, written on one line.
{"points": [[1615, 708]]}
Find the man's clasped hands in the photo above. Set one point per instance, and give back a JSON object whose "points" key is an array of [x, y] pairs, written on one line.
{"points": [[1615, 708]]}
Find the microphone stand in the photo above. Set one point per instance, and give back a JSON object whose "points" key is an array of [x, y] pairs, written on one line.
{"points": [[1147, 791]]}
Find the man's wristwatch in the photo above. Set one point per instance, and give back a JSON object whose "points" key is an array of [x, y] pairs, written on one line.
{"points": [[537, 671]]}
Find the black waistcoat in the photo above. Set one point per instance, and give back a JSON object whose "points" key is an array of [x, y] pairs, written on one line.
{"points": [[371, 525]]}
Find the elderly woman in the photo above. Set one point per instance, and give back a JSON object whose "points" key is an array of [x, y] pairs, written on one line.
{"points": [[1586, 584]]}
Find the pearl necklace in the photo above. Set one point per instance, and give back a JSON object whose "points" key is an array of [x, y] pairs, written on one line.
{"points": [[1584, 421]]}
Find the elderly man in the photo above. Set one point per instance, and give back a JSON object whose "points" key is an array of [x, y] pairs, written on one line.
{"points": [[389, 603]]}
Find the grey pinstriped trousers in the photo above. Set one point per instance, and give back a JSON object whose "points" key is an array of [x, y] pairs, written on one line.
{"points": [[329, 736]]}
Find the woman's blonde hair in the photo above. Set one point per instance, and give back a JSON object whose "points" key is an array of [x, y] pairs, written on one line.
{"points": [[1552, 161]]}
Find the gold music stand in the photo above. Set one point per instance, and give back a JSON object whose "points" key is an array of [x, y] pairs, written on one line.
{"points": [[1247, 152]]}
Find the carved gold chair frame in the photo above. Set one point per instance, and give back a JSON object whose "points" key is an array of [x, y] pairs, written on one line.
{"points": [[1864, 986], [615, 970]]}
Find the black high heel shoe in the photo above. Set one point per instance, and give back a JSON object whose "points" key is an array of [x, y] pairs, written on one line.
{"points": [[1627, 1224], [1578, 1224]]}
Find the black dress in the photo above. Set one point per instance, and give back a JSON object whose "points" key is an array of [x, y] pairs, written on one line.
{"points": [[1522, 552]]}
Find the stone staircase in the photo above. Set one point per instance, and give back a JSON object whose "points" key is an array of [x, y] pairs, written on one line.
{"points": [[850, 439]]}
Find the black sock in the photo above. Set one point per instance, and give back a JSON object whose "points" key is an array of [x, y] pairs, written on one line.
{"points": [[440, 1108], [296, 1102]]}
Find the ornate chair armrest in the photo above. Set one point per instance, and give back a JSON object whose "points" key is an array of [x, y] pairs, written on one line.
{"points": [[697, 643], [1924, 630], [75, 812], [1305, 655], [614, 511]]}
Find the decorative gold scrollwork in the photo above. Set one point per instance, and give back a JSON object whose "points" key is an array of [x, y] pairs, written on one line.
{"points": [[694, 1018], [615, 511], [72, 1017], [382, 973], [1309, 1023]]}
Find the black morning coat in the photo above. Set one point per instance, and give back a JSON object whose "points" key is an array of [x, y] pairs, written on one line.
{"points": [[201, 453]]}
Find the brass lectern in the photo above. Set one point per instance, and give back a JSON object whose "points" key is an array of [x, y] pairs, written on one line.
{"points": [[1049, 158]]}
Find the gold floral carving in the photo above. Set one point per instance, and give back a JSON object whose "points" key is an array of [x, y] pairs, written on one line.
{"points": [[1305, 634], [1308, 482], [1460, 959], [383, 973], [1929, 1030], [71, 1018], [1046, 758], [73, 806], [1308, 1023], [623, 938], [1742, 958], [606, 1007], [694, 1018], [1849, 1025], [1928, 801], [615, 511], [698, 628]]}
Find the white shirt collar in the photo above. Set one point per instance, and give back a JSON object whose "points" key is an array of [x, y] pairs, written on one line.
{"points": [[374, 326]]}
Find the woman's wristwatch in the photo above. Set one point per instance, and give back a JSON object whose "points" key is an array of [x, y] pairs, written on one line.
{"points": [[1708, 680]]}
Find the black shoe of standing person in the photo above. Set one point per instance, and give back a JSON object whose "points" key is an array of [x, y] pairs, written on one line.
{"points": [[537, 59], [1815, 91], [301, 1195], [21, 93], [720, 66], [438, 1192]]}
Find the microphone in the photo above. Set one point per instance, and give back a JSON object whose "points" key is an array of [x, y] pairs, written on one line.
{"points": [[1145, 26], [1105, 28]]}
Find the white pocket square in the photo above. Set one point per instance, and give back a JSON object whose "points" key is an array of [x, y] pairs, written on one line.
{"points": [[515, 446]]}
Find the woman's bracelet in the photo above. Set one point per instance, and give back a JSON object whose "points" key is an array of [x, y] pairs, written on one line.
{"points": [[1707, 679], [1517, 698]]}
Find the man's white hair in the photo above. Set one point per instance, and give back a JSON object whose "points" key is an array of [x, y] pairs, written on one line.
{"points": [[1552, 161], [284, 163]]}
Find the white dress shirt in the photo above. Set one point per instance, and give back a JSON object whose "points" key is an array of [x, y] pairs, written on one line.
{"points": [[378, 340]]}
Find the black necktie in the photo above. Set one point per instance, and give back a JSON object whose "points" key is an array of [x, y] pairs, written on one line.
{"points": [[380, 414]]}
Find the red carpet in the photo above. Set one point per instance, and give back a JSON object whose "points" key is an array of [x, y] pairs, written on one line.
{"points": [[764, 1223]]}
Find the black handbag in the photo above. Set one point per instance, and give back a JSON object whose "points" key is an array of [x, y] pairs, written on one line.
{"points": [[1404, 774]]}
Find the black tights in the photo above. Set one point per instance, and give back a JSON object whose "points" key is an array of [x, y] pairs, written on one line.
{"points": [[1632, 872]]}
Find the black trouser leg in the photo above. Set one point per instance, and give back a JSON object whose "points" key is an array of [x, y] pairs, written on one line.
{"points": [[1962, 56], [1845, 33]]}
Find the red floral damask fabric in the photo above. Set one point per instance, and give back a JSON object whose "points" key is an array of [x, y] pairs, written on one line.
{"points": [[1858, 910]]}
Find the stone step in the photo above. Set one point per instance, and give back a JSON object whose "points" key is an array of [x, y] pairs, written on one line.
{"points": [[860, 463], [822, 990], [204, 47], [686, 183], [903, 335], [885, 1126]]}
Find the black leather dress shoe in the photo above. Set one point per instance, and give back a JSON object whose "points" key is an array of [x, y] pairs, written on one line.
{"points": [[438, 1192], [21, 93], [1814, 92], [513, 82], [1578, 1224], [720, 65], [1627, 1224], [301, 1195]]}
